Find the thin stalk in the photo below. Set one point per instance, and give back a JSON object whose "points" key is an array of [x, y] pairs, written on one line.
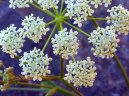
{"points": [[60, 90], [94, 22], [61, 67], [62, 3], [25, 89], [50, 78], [79, 30], [45, 11], [121, 69], [49, 23], [61, 26], [73, 58], [49, 38], [92, 18], [44, 78], [71, 87], [32, 85], [65, 92], [55, 11], [64, 11], [16, 57], [52, 91]]}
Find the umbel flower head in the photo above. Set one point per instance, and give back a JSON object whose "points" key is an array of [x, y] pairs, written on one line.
{"points": [[79, 10], [10, 41], [81, 73], [104, 42], [47, 4], [33, 28], [35, 64], [65, 43], [19, 3], [96, 3], [119, 17]]}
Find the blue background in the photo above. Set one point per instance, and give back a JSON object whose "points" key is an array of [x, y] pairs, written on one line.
{"points": [[109, 81]]}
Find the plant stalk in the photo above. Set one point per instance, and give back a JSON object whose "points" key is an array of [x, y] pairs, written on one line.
{"points": [[49, 38], [121, 69]]}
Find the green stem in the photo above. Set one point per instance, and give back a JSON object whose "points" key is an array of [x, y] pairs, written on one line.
{"points": [[122, 69], [55, 11], [52, 91], [61, 26], [92, 18], [49, 38], [49, 23], [61, 90], [16, 57], [32, 85], [62, 3], [44, 78], [71, 87], [65, 92], [61, 67], [94, 21], [45, 11], [25, 89], [73, 58], [79, 30], [64, 11]]}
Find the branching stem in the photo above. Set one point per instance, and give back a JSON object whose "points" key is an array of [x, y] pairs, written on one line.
{"points": [[49, 38], [45, 11], [79, 30]]}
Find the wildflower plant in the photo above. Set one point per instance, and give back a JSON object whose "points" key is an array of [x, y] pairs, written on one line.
{"points": [[65, 43]]}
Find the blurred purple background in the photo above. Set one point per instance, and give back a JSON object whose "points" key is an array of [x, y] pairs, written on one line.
{"points": [[109, 81]]}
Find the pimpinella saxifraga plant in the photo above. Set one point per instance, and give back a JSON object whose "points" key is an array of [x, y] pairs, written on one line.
{"points": [[35, 64]]}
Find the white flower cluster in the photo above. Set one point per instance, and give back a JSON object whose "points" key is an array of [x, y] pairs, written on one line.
{"points": [[119, 17], [19, 3], [35, 64], [47, 4], [10, 41], [104, 42], [33, 28], [79, 10], [81, 73], [96, 3], [65, 43]]}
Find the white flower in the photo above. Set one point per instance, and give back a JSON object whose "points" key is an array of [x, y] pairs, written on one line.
{"points": [[33, 28], [47, 4], [96, 3], [81, 73], [35, 64], [104, 42], [19, 3], [107, 2], [79, 10], [119, 17], [10, 41], [65, 43]]}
